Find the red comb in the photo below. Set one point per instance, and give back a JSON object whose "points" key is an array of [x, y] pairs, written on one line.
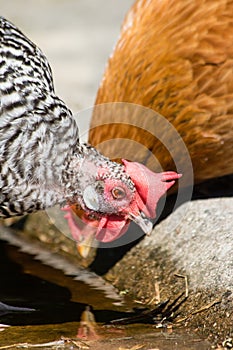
{"points": [[150, 186]]}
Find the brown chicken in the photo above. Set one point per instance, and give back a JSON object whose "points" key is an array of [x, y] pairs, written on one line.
{"points": [[175, 57]]}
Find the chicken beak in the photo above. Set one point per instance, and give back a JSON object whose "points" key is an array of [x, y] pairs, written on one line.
{"points": [[143, 222]]}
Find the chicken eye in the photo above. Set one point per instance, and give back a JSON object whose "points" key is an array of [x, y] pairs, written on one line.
{"points": [[118, 193]]}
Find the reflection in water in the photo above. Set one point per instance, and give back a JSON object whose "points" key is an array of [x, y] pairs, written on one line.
{"points": [[60, 302], [22, 286], [19, 288]]}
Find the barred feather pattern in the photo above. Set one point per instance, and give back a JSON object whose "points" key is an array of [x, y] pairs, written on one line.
{"points": [[40, 154], [36, 127]]}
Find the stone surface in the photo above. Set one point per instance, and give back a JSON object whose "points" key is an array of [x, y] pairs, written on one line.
{"points": [[199, 237], [193, 242]]}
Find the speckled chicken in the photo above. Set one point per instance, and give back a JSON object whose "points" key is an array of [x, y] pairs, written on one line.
{"points": [[175, 57], [42, 161]]}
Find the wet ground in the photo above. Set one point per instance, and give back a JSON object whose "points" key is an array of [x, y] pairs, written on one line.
{"points": [[59, 297]]}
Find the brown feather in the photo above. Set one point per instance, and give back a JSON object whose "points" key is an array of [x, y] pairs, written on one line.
{"points": [[175, 57]]}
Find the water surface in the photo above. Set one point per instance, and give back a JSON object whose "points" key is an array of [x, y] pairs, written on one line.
{"points": [[60, 291]]}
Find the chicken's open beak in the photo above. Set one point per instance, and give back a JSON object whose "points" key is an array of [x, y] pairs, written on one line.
{"points": [[143, 222]]}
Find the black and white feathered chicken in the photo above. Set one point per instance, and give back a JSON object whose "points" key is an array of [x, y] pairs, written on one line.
{"points": [[42, 162]]}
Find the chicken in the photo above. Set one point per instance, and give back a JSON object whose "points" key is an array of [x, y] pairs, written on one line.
{"points": [[176, 58], [43, 163]]}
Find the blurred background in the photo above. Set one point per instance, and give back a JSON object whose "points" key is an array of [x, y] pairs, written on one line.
{"points": [[77, 36]]}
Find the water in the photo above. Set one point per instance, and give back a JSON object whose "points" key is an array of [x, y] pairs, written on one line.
{"points": [[60, 291]]}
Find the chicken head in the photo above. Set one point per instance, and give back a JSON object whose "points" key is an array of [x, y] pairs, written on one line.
{"points": [[116, 198]]}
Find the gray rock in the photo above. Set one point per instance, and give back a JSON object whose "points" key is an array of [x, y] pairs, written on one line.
{"points": [[194, 242], [199, 237]]}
